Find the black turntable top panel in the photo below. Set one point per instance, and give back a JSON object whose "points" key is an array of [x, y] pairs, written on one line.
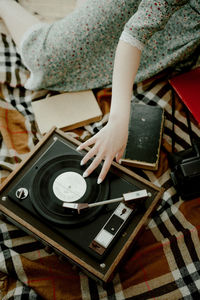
{"points": [[57, 176]]}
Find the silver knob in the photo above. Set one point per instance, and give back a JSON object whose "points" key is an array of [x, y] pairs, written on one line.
{"points": [[21, 193]]}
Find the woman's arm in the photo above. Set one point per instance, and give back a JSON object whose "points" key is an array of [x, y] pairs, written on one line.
{"points": [[111, 141]]}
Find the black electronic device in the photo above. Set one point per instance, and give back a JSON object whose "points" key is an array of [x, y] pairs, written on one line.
{"points": [[186, 172], [97, 238]]}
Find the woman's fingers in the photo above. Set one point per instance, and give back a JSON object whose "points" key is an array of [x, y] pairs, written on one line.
{"points": [[88, 143], [119, 155], [89, 155], [98, 159], [104, 170]]}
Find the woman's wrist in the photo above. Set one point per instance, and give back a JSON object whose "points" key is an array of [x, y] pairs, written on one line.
{"points": [[121, 114], [118, 122]]}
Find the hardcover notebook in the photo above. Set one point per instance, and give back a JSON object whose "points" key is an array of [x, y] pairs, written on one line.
{"points": [[145, 136], [187, 86], [66, 111]]}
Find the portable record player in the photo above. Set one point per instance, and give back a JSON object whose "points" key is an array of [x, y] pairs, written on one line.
{"points": [[92, 225]]}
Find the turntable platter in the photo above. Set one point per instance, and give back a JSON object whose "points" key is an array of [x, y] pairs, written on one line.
{"points": [[60, 179]]}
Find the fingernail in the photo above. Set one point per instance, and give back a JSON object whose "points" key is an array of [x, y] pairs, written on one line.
{"points": [[99, 181], [120, 161], [82, 163], [78, 148], [85, 174]]}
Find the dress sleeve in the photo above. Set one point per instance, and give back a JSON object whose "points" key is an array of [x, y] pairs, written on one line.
{"points": [[150, 17]]}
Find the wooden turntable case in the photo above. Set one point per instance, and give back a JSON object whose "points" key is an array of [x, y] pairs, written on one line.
{"points": [[100, 271]]}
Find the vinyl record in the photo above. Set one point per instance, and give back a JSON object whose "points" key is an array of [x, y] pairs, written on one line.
{"points": [[60, 179]]}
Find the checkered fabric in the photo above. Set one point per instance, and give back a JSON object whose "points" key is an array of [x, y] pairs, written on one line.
{"points": [[12, 71], [165, 261]]}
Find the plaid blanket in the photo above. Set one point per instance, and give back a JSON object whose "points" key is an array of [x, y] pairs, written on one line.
{"points": [[165, 262]]}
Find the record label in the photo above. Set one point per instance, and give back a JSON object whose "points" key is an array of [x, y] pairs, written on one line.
{"points": [[69, 186]]}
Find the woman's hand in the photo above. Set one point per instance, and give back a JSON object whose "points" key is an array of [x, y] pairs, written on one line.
{"points": [[108, 143]]}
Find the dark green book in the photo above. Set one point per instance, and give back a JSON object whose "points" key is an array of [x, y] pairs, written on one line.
{"points": [[145, 136]]}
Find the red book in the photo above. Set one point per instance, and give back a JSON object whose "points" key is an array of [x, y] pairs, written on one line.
{"points": [[187, 86]]}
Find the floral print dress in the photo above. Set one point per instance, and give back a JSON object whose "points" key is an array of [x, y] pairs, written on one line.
{"points": [[77, 52]]}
